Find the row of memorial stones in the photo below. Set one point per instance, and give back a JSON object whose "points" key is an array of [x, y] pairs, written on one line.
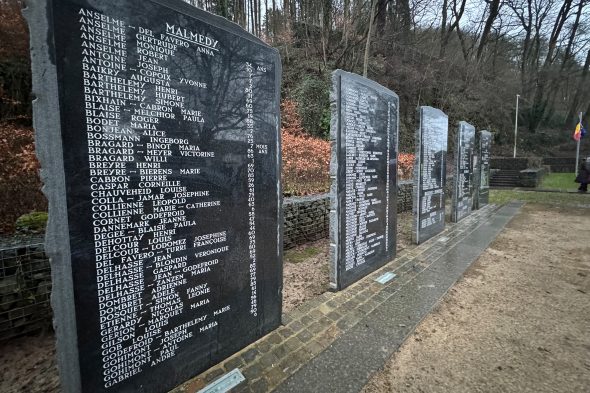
{"points": [[364, 132], [158, 131]]}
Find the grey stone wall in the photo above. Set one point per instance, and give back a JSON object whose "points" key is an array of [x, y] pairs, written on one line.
{"points": [[519, 163], [404, 193], [509, 163], [560, 164], [306, 219], [531, 177], [555, 164], [25, 287]]}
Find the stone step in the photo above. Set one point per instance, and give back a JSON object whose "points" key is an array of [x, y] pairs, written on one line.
{"points": [[511, 185], [506, 177]]}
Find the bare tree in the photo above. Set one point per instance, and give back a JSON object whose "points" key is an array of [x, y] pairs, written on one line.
{"points": [[457, 11], [494, 11], [540, 99], [368, 43], [582, 85]]}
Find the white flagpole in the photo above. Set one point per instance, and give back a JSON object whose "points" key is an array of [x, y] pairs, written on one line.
{"points": [[515, 126], [578, 144]]}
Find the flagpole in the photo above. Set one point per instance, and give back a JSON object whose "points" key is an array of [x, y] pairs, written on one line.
{"points": [[578, 145], [515, 126]]}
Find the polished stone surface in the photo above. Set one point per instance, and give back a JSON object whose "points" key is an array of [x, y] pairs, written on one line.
{"points": [[485, 153], [464, 164], [170, 154], [430, 173], [364, 132]]}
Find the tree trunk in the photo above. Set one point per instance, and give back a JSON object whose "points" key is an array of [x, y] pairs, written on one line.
{"points": [[555, 33], [259, 18], [568, 50], [368, 43], [252, 19], [345, 22], [447, 31], [574, 107], [494, 11], [404, 19], [222, 8], [543, 83], [326, 28], [443, 30], [274, 18], [381, 15]]}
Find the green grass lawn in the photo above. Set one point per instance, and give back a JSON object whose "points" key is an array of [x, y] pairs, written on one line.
{"points": [[551, 198], [561, 181]]}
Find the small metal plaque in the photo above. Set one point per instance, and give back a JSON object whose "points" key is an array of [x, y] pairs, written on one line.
{"points": [[224, 383], [385, 277]]}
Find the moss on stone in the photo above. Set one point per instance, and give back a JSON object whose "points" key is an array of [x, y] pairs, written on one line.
{"points": [[34, 222]]}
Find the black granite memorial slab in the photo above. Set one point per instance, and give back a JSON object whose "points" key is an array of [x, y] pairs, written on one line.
{"points": [[430, 170], [475, 177], [463, 185], [364, 133], [158, 133], [485, 152]]}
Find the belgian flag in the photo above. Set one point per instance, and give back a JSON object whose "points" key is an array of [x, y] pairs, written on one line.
{"points": [[580, 131]]}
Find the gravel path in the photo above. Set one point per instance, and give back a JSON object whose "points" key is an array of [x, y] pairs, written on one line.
{"points": [[519, 321]]}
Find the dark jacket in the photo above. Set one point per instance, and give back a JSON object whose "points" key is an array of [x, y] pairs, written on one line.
{"points": [[583, 172]]}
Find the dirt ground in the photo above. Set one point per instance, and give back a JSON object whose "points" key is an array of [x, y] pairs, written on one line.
{"points": [[305, 273], [28, 364], [306, 269], [518, 321]]}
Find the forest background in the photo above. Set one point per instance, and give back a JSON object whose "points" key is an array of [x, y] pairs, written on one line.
{"points": [[468, 58]]}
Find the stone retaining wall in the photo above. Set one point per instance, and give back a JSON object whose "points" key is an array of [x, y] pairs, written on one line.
{"points": [[25, 287], [560, 164], [306, 219], [531, 177], [404, 195], [405, 189], [509, 163], [555, 164]]}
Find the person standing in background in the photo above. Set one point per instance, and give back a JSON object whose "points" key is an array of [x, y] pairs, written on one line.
{"points": [[584, 175]]}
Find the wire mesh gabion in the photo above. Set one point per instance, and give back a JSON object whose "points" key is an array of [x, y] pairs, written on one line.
{"points": [[25, 288]]}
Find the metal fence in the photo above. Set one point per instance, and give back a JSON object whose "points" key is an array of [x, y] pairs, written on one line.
{"points": [[25, 288]]}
